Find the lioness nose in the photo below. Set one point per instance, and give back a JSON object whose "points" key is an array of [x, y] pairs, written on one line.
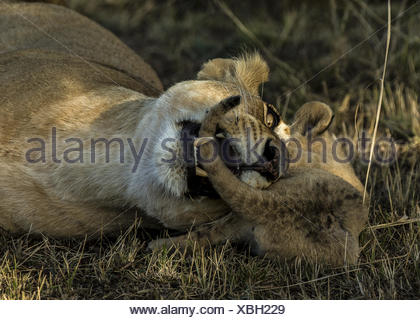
{"points": [[276, 157]]}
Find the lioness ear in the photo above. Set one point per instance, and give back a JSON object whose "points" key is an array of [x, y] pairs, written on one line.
{"points": [[313, 117], [216, 69], [248, 71]]}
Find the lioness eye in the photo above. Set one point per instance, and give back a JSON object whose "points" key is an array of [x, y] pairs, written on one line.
{"points": [[271, 116], [269, 120]]}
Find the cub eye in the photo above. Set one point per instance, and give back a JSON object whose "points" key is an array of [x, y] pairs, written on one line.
{"points": [[271, 116]]}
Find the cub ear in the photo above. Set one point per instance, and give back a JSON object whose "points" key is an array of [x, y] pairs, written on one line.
{"points": [[248, 71], [312, 118]]}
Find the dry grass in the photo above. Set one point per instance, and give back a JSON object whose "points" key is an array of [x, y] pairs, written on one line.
{"points": [[345, 40]]}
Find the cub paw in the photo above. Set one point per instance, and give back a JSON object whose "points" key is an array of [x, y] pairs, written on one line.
{"points": [[159, 244]]}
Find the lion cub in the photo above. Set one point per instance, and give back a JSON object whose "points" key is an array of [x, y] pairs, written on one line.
{"points": [[315, 211]]}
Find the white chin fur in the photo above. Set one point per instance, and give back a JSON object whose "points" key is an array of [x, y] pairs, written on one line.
{"points": [[170, 168], [254, 179]]}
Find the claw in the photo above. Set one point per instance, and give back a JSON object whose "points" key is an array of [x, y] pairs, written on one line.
{"points": [[200, 141], [200, 172]]}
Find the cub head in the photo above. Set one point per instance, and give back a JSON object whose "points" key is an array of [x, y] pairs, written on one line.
{"points": [[312, 145], [245, 133]]}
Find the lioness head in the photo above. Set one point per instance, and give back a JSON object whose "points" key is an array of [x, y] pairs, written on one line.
{"points": [[247, 131]]}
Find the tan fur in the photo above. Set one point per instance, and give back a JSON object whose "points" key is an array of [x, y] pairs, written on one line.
{"points": [[249, 75], [60, 70], [316, 211]]}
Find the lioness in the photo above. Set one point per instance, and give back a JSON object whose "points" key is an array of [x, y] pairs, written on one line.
{"points": [[316, 211], [89, 139]]}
